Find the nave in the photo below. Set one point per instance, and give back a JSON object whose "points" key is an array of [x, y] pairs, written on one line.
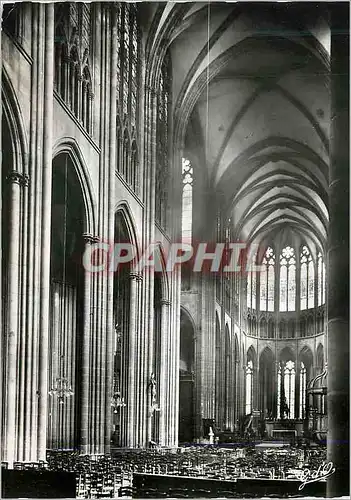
{"points": [[221, 127]]}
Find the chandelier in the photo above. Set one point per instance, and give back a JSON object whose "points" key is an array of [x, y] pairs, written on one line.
{"points": [[62, 389]]}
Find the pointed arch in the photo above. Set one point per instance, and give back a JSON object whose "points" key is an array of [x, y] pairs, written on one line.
{"points": [[320, 357], [282, 329], [159, 254], [251, 355], [303, 326], [266, 378], [123, 207], [287, 279], [14, 117], [271, 328], [305, 364], [286, 383], [263, 328], [186, 377], [310, 326], [286, 354], [291, 328], [236, 349], [70, 146], [306, 355], [69, 221]]}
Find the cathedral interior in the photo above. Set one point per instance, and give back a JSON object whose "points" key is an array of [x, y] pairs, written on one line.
{"points": [[153, 123]]}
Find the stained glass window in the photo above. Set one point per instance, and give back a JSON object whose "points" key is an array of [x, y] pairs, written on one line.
{"points": [[321, 279], [267, 281], [251, 288], [307, 279], [286, 390], [187, 205], [248, 290], [128, 60], [162, 152], [289, 387], [303, 283], [287, 282], [127, 76], [72, 76], [279, 395]]}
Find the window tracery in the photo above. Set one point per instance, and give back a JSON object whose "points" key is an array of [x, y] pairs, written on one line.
{"points": [[127, 80], [267, 281], [287, 279], [162, 152], [321, 279], [307, 280], [72, 79], [286, 390], [187, 202]]}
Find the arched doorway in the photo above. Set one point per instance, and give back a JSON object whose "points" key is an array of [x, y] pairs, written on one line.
{"points": [[66, 304], [186, 380]]}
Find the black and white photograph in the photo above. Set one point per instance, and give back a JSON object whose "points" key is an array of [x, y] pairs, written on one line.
{"points": [[175, 249]]}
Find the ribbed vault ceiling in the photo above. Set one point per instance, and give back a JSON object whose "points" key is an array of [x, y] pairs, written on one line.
{"points": [[254, 82]]}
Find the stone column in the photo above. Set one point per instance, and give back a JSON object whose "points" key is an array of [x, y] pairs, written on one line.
{"points": [[14, 179], [133, 321], [338, 257], [86, 353], [111, 84], [44, 317], [164, 371]]}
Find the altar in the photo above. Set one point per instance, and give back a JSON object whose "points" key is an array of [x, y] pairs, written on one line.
{"points": [[284, 429]]}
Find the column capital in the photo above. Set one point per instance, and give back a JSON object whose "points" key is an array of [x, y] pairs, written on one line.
{"points": [[90, 239], [16, 177], [135, 276], [165, 302], [25, 180]]}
